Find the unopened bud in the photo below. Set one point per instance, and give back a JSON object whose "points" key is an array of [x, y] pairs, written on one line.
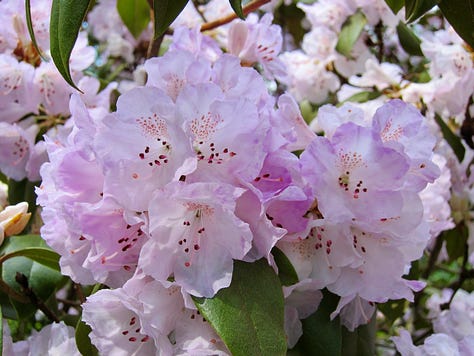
{"points": [[13, 220]]}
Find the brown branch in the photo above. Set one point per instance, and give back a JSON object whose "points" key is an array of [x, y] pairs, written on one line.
{"points": [[254, 5], [22, 280]]}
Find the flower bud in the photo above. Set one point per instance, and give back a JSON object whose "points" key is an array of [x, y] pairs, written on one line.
{"points": [[13, 219]]}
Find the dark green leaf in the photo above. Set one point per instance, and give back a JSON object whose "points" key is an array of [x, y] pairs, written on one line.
{"points": [[166, 11], [360, 342], [460, 14], [393, 309], [66, 20], [29, 24], [453, 140], [249, 314], [321, 335], [286, 271], [44, 256], [135, 15], [237, 7], [41, 279], [408, 40], [83, 341], [363, 96], [456, 240], [395, 5], [350, 32], [414, 9]]}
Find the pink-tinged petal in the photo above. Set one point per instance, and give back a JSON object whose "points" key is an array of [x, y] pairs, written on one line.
{"points": [[116, 325], [142, 147], [354, 311], [195, 235]]}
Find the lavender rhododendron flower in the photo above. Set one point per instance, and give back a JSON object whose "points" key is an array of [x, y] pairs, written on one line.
{"points": [[275, 144]]}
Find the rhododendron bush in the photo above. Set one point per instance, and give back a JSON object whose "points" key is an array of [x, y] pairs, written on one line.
{"points": [[236, 177]]}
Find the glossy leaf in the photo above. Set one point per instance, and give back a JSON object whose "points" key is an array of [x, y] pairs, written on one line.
{"points": [[363, 96], [414, 9], [350, 32], [453, 140], [249, 314], [31, 31], [456, 240], [360, 342], [286, 271], [237, 7], [135, 14], [66, 20], [41, 279], [392, 310], [460, 14], [83, 341], [44, 256], [165, 12], [395, 5], [321, 335], [408, 40]]}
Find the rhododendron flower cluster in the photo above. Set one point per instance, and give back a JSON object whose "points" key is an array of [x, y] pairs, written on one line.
{"points": [[315, 143], [367, 221]]}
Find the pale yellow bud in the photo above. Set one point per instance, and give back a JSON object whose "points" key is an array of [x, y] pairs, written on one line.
{"points": [[13, 220]]}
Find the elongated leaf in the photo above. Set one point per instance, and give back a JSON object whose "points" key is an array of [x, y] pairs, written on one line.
{"points": [[360, 342], [286, 271], [44, 256], [414, 9], [166, 11], [460, 14], [456, 240], [321, 335], [350, 32], [408, 40], [135, 14], [248, 315], [66, 20], [41, 279], [363, 96], [395, 5], [237, 7], [83, 342], [29, 24], [453, 140]]}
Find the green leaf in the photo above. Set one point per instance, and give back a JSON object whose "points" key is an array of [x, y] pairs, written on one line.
{"points": [[44, 256], [31, 31], [350, 32], [41, 279], [237, 7], [395, 5], [66, 20], [393, 309], [408, 40], [135, 15], [414, 9], [83, 341], [249, 315], [453, 140], [360, 342], [456, 240], [286, 271], [363, 96], [321, 335], [460, 14], [166, 11]]}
